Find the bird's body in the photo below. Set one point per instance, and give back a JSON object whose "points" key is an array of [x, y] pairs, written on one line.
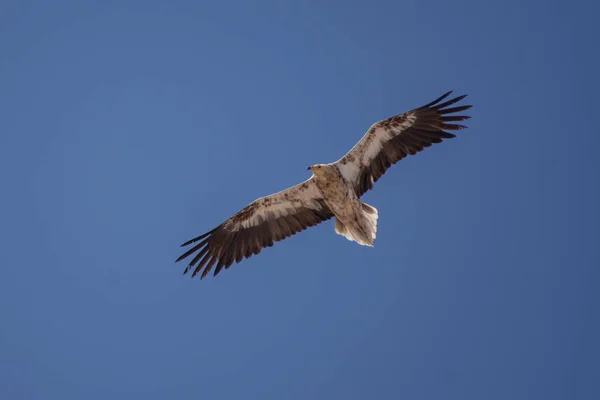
{"points": [[333, 191], [354, 219]]}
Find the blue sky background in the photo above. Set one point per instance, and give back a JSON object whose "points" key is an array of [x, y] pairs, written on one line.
{"points": [[128, 127]]}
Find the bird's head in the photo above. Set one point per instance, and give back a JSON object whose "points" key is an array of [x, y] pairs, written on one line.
{"points": [[316, 169]]}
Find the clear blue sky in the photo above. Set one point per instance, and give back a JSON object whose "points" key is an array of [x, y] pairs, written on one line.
{"points": [[128, 127]]}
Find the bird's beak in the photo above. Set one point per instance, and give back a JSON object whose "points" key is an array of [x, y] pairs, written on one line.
{"points": [[308, 169]]}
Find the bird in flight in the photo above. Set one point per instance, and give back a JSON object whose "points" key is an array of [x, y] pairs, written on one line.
{"points": [[333, 191]]}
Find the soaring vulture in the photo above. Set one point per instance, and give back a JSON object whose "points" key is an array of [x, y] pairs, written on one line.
{"points": [[333, 190]]}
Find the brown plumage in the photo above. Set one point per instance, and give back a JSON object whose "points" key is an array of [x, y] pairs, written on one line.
{"points": [[275, 218], [333, 190]]}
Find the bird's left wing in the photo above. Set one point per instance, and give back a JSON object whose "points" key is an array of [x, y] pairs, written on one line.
{"points": [[390, 140], [261, 223]]}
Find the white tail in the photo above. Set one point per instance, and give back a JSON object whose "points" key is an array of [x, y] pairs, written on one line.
{"points": [[363, 230]]}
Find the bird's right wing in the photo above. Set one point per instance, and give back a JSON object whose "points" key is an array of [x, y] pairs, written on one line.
{"points": [[264, 221]]}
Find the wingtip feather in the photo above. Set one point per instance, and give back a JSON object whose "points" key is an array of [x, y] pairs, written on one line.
{"points": [[442, 97], [198, 238]]}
